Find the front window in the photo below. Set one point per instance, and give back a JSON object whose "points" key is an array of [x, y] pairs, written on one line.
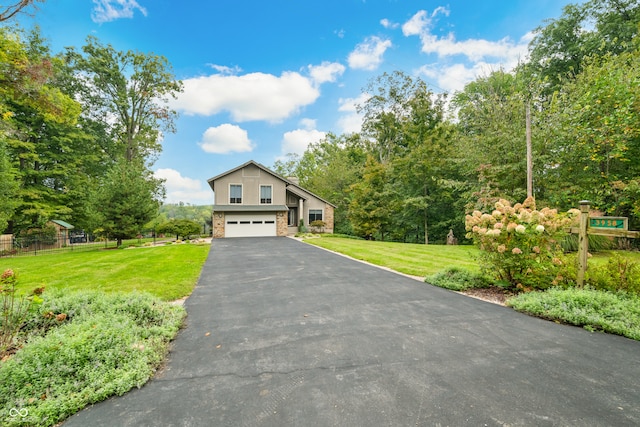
{"points": [[265, 194], [315, 215], [235, 193]]}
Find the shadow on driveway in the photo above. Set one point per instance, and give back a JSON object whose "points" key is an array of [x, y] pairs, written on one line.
{"points": [[281, 333]]}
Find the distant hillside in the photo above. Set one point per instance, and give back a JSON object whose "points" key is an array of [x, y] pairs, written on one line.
{"points": [[200, 214]]}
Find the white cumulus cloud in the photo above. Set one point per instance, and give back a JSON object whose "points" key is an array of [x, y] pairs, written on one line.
{"points": [[368, 54], [476, 50], [297, 141], [461, 61], [183, 189], [225, 139], [110, 10], [326, 72], [254, 96], [417, 24]]}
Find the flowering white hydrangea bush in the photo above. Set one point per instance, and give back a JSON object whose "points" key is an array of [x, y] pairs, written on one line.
{"points": [[520, 244]]}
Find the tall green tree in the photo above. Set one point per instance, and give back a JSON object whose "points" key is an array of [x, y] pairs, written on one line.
{"points": [[126, 95], [386, 109], [373, 201], [492, 138], [8, 188], [287, 167], [559, 47], [329, 168], [39, 126], [128, 198], [596, 125]]}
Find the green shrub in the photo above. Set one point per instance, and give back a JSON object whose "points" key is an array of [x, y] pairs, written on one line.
{"points": [[616, 313], [459, 279], [14, 310], [184, 228], [618, 274], [102, 345], [520, 245]]}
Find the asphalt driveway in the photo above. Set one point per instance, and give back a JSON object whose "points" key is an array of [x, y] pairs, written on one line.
{"points": [[281, 333]]}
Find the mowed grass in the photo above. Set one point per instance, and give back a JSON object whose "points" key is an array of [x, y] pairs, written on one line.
{"points": [[602, 257], [413, 259], [168, 272]]}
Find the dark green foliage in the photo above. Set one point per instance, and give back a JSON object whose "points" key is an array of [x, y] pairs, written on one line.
{"points": [[8, 188], [46, 235], [131, 87], [184, 228], [95, 346], [128, 199], [459, 279], [618, 274], [598, 27]]}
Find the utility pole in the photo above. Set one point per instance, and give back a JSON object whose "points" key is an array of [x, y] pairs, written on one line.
{"points": [[529, 151]]}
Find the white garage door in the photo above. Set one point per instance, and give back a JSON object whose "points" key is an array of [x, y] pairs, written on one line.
{"points": [[250, 225]]}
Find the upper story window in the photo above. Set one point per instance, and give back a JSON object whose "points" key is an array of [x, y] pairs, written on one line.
{"points": [[235, 193], [265, 194]]}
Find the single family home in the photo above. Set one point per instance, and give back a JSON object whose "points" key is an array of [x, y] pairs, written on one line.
{"points": [[251, 201]]}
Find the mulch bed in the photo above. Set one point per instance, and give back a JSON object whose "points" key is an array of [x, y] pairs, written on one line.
{"points": [[493, 294]]}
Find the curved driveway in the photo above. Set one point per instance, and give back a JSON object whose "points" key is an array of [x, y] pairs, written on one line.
{"points": [[281, 333]]}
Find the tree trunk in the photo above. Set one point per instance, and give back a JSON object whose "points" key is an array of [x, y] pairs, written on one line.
{"points": [[426, 230]]}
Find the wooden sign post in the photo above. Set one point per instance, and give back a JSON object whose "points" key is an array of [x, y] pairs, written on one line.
{"points": [[583, 241], [612, 226]]}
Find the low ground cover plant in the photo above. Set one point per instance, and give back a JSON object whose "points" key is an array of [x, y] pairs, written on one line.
{"points": [[83, 347], [613, 312], [459, 279]]}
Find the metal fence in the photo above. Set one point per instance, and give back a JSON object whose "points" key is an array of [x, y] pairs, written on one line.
{"points": [[11, 245]]}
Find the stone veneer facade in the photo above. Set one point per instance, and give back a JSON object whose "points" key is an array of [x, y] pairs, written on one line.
{"points": [[282, 228], [328, 219], [218, 225]]}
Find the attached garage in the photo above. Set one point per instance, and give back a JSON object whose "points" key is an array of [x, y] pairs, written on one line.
{"points": [[250, 225], [249, 220]]}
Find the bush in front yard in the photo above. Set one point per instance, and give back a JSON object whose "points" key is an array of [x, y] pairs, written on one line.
{"points": [[459, 279], [519, 244], [85, 347]]}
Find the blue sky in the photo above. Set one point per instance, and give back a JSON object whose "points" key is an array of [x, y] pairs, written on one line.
{"points": [[264, 78]]}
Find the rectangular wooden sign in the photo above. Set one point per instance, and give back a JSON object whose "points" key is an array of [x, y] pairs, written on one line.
{"points": [[617, 223]]}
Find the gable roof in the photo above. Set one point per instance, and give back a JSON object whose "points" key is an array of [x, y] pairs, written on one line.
{"points": [[244, 165], [289, 183]]}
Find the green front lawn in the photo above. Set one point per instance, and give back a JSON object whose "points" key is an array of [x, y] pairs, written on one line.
{"points": [[167, 272], [413, 259]]}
